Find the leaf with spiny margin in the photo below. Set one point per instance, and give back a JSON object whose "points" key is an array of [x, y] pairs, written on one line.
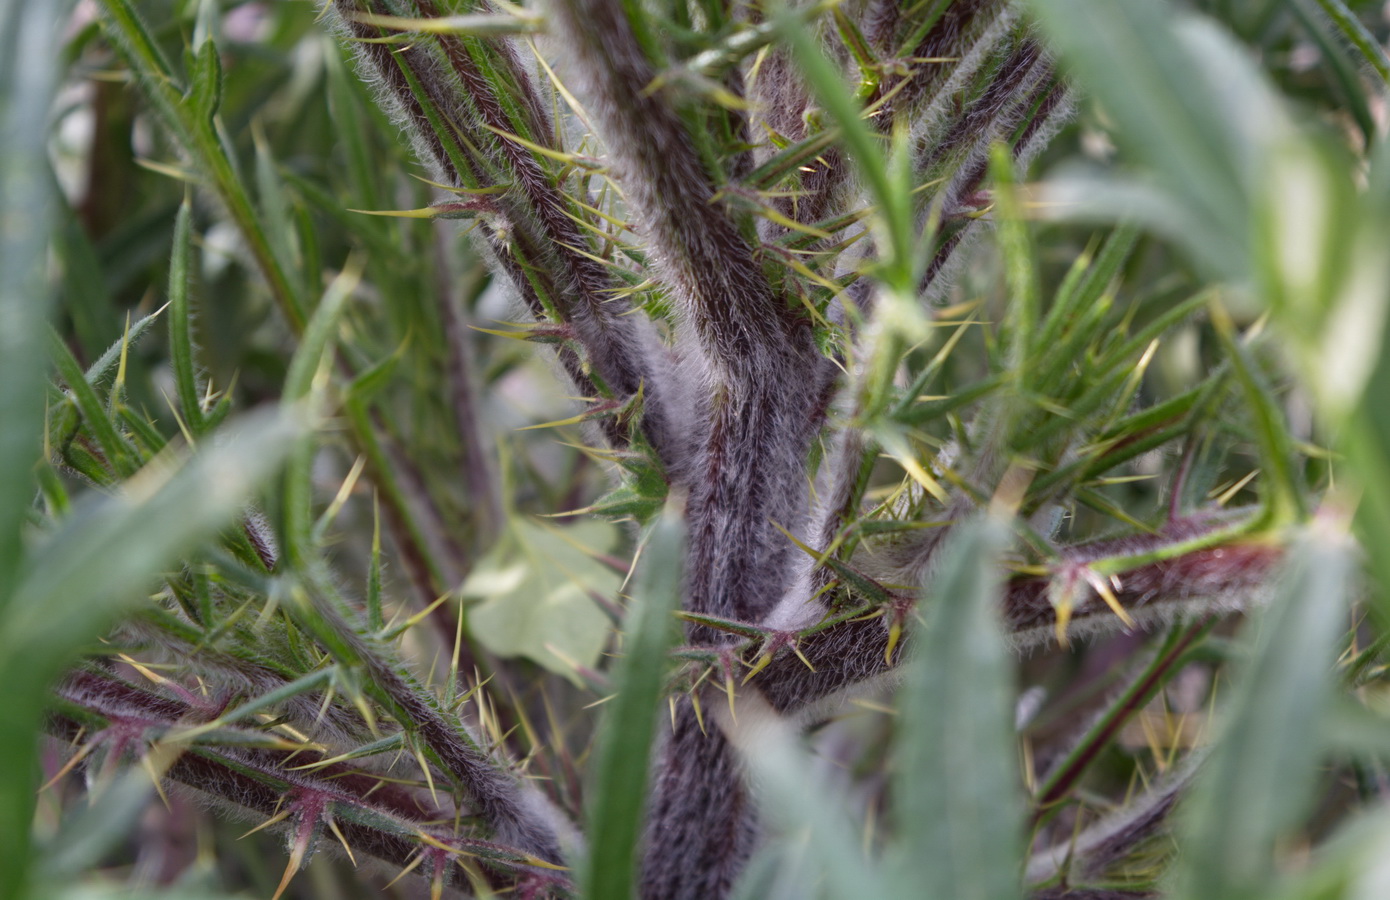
{"points": [[790, 159], [861, 584], [621, 503], [120, 456], [98, 370], [894, 205], [729, 626]]}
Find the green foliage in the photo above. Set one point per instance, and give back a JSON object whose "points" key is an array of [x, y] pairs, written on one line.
{"points": [[1258, 782], [958, 799], [293, 516]]}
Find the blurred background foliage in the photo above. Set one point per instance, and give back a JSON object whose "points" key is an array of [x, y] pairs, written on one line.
{"points": [[195, 285]]}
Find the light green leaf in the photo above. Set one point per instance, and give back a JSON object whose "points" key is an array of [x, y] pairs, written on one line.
{"points": [[535, 587], [1187, 101], [28, 34], [1354, 864], [89, 835]]}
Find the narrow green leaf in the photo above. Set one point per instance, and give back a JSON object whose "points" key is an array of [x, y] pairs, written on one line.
{"points": [[1358, 36], [1367, 445], [1020, 265], [98, 370], [114, 447], [894, 205], [86, 296], [205, 90], [302, 382], [1284, 499], [1259, 781], [1367, 434], [274, 207], [957, 796], [27, 62], [181, 322], [619, 790], [28, 35], [367, 383], [94, 566], [269, 700], [347, 109], [375, 620], [469, 25], [1077, 295]]}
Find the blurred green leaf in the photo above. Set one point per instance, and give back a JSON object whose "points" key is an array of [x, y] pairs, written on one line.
{"points": [[110, 550], [956, 794], [117, 892], [87, 837], [28, 34], [1186, 101], [1258, 783], [27, 76], [1354, 864], [810, 819]]}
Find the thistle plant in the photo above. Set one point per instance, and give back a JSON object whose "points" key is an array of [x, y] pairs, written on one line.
{"points": [[876, 517]]}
